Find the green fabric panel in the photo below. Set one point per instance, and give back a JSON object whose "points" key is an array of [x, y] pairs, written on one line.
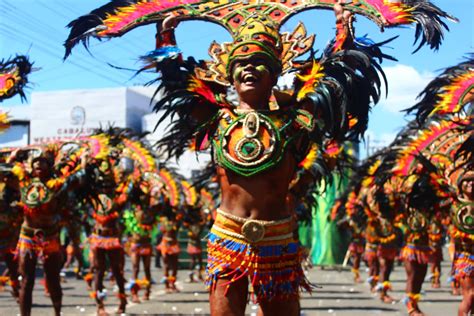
{"points": [[328, 244]]}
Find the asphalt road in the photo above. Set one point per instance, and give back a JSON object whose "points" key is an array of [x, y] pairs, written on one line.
{"points": [[338, 295]]}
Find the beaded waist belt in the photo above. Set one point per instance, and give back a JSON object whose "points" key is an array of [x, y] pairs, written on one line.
{"points": [[106, 232], [252, 230], [38, 232], [141, 239]]}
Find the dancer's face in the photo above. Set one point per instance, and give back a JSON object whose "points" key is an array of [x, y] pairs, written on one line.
{"points": [[467, 188], [40, 168], [252, 77]]}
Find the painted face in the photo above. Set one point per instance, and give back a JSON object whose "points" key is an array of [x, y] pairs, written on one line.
{"points": [[467, 187], [40, 168], [253, 74]]}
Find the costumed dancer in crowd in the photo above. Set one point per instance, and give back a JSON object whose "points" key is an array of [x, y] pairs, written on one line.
{"points": [[350, 215], [258, 143], [370, 253], [194, 222], [388, 241], [76, 225], [436, 235], [169, 247], [140, 222], [464, 241], [446, 113], [73, 216], [13, 79], [111, 186], [357, 244], [10, 222], [41, 189], [372, 230], [170, 222]]}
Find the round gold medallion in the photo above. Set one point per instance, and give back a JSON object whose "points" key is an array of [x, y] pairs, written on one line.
{"points": [[253, 231]]}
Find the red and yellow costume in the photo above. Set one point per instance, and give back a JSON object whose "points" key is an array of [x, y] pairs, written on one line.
{"points": [[337, 88], [270, 259], [168, 245], [38, 198]]}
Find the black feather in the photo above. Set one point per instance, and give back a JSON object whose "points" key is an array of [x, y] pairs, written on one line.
{"points": [[24, 67]]}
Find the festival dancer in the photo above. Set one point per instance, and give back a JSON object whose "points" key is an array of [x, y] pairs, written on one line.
{"points": [[259, 142], [40, 190], [169, 247], [370, 254], [13, 80], [10, 221], [436, 235], [357, 245], [387, 238], [464, 255], [112, 193], [445, 112], [140, 222], [387, 252], [416, 251], [194, 222]]}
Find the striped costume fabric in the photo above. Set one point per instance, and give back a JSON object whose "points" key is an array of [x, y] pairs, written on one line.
{"points": [[272, 265]]}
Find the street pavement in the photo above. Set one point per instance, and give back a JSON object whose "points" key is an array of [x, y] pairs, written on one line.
{"points": [[337, 295]]}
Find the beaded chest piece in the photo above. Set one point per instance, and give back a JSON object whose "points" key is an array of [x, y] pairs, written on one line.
{"points": [[36, 193], [417, 221], [251, 142], [463, 216]]}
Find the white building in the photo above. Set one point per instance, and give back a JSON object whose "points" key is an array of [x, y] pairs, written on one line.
{"points": [[19, 132], [66, 114]]}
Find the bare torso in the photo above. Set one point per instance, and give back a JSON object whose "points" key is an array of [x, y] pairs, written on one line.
{"points": [[262, 196]]}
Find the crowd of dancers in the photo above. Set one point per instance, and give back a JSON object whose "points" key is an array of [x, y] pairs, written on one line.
{"points": [[105, 190], [406, 199]]}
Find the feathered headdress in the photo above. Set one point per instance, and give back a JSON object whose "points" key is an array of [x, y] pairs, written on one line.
{"points": [[254, 26], [448, 93], [14, 77]]}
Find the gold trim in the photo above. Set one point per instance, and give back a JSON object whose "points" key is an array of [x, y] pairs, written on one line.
{"points": [[261, 222]]}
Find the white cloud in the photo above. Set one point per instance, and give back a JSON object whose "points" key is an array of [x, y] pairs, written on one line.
{"points": [[404, 85]]}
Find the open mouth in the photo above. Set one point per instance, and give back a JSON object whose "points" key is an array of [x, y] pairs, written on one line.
{"points": [[249, 78]]}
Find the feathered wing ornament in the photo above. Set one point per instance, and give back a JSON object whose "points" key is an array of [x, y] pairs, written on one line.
{"points": [[98, 145], [14, 77], [120, 16], [339, 85], [172, 187], [350, 79], [4, 121], [439, 136], [142, 155], [191, 197], [195, 97], [448, 93]]}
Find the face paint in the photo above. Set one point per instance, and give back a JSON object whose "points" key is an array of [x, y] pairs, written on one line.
{"points": [[262, 69], [239, 68], [237, 71]]}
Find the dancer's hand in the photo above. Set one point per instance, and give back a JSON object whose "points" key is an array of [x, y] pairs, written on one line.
{"points": [[343, 16], [85, 157], [169, 23]]}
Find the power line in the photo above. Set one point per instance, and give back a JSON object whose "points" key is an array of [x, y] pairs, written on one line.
{"points": [[34, 26], [47, 50]]}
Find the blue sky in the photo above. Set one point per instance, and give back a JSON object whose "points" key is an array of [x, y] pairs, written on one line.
{"points": [[37, 28]]}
